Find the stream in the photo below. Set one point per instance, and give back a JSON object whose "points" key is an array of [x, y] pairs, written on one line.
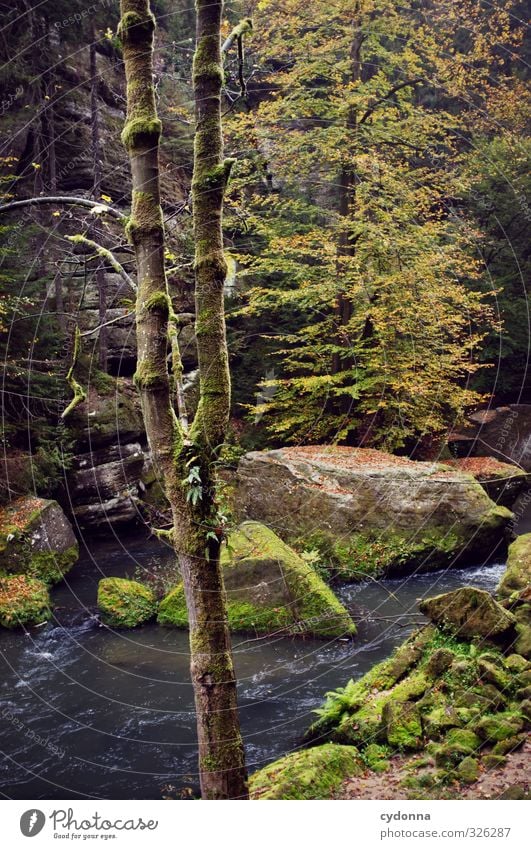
{"points": [[90, 713]]}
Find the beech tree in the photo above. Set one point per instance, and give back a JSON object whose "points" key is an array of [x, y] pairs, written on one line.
{"points": [[186, 455], [361, 111]]}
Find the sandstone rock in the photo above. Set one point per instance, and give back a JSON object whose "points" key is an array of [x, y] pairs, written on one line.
{"points": [[468, 770], [23, 601], [503, 482], [108, 418], [500, 726], [458, 744], [121, 337], [103, 515], [503, 432], [269, 588], [36, 539], [517, 575], [439, 662], [509, 744], [468, 612], [101, 475], [491, 674], [375, 512]]}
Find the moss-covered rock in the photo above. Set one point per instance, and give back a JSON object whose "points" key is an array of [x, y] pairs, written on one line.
{"points": [[109, 414], [353, 714], [516, 663], [522, 643], [437, 722], [510, 744], [269, 588], [503, 482], [124, 603], [468, 770], [458, 744], [36, 539], [468, 612], [23, 601], [517, 575], [439, 662], [492, 761], [310, 774], [490, 673], [403, 725], [500, 726]]}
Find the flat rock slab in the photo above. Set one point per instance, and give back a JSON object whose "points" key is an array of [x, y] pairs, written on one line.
{"points": [[342, 491]]}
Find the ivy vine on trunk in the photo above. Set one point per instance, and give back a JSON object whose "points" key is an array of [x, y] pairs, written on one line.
{"points": [[186, 456]]}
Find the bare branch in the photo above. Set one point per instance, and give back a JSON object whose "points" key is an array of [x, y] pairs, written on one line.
{"points": [[102, 208], [106, 323], [106, 254]]}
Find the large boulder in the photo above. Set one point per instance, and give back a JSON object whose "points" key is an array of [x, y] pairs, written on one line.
{"points": [[468, 612], [269, 588], [517, 576], [514, 591], [36, 539], [23, 601], [370, 512]]}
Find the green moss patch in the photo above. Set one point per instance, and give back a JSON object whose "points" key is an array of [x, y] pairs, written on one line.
{"points": [[269, 588], [23, 601], [124, 603], [311, 774], [363, 555]]}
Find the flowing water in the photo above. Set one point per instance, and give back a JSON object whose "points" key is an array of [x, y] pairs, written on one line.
{"points": [[90, 713]]}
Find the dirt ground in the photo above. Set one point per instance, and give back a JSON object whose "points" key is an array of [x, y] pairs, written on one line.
{"points": [[512, 781]]}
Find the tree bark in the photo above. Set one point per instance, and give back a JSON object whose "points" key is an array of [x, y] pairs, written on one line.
{"points": [[196, 533], [346, 204], [96, 190]]}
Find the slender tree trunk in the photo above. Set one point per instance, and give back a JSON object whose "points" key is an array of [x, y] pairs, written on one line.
{"points": [[346, 204], [96, 191], [196, 533]]}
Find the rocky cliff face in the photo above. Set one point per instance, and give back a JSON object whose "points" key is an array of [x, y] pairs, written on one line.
{"points": [[48, 148], [502, 432]]}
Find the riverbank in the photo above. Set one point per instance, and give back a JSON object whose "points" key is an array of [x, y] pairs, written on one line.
{"points": [[450, 708]]}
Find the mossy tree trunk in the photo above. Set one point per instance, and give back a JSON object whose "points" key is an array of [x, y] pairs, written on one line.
{"points": [[346, 248], [186, 457], [96, 192]]}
